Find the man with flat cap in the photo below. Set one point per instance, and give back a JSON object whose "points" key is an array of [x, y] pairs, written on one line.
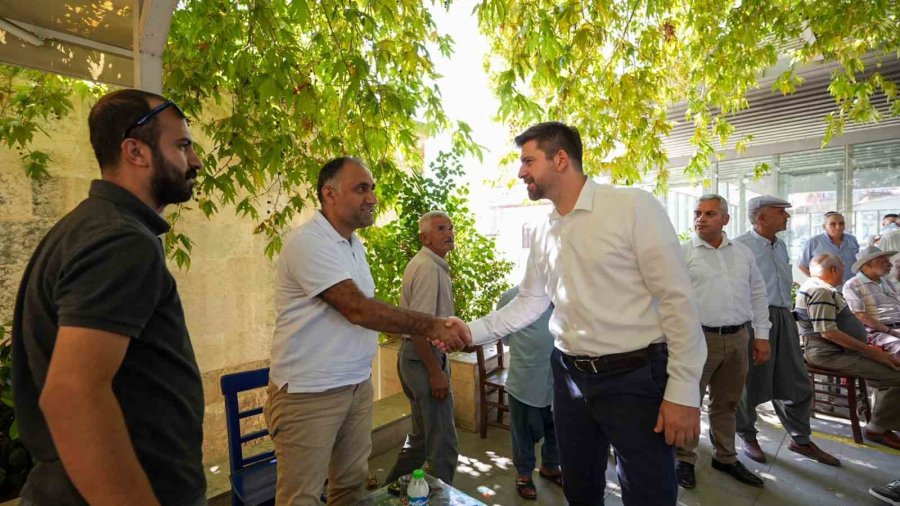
{"points": [[783, 378]]}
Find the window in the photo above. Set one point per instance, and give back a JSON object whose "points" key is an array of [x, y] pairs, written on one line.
{"points": [[876, 186], [737, 183], [813, 182]]}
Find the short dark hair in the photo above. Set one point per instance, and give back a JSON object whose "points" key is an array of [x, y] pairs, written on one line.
{"points": [[112, 115], [553, 136], [890, 215], [331, 170]]}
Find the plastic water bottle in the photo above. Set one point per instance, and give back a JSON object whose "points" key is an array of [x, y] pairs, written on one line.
{"points": [[417, 492]]}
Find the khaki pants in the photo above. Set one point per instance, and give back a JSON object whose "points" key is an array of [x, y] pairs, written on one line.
{"points": [[725, 372], [317, 435], [886, 382]]}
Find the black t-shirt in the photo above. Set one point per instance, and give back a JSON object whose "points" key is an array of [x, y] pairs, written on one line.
{"points": [[103, 267]]}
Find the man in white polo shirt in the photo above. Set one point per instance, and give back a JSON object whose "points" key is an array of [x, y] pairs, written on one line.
{"points": [[629, 350], [730, 294], [319, 409]]}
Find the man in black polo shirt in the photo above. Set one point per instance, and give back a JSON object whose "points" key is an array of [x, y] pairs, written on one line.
{"points": [[107, 390]]}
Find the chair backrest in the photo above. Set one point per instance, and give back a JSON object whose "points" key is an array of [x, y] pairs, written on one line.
{"points": [[489, 365], [232, 385]]}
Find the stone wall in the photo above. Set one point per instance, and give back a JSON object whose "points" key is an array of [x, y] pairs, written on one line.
{"points": [[227, 293]]}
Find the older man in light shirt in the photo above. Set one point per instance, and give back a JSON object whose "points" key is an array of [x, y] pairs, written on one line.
{"points": [[783, 379], [424, 371], [731, 294], [836, 340], [874, 300], [833, 241], [628, 346]]}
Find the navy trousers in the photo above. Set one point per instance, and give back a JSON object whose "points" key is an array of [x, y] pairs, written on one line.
{"points": [[528, 425], [594, 411]]}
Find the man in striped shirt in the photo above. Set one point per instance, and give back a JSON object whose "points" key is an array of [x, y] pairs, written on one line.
{"points": [[836, 340]]}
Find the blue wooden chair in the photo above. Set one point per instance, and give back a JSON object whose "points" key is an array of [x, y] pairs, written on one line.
{"points": [[252, 477]]}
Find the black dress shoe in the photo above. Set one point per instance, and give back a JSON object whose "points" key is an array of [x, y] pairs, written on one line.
{"points": [[738, 472], [685, 474]]}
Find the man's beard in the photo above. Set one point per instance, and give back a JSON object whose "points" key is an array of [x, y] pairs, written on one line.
{"points": [[537, 194], [169, 185]]}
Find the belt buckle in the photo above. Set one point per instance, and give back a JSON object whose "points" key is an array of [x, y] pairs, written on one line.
{"points": [[589, 361]]}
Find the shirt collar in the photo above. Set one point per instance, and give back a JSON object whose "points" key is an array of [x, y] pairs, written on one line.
{"points": [[329, 229], [865, 279], [761, 238], [697, 242], [585, 200], [129, 202], [437, 258]]}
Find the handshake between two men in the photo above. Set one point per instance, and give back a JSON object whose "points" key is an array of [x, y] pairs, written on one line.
{"points": [[453, 336]]}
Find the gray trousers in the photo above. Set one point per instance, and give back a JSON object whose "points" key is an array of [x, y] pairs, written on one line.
{"points": [[782, 379], [433, 436], [886, 381]]}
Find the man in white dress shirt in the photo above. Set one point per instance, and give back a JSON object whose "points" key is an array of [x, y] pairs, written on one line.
{"points": [[628, 346], [730, 294]]}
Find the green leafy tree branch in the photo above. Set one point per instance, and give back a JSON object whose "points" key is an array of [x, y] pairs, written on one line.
{"points": [[615, 69], [478, 272], [282, 86]]}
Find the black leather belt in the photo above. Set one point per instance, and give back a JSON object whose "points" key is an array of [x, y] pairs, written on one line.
{"points": [[725, 330], [617, 362]]}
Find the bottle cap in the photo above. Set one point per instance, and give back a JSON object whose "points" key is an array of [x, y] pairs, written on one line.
{"points": [[418, 473]]}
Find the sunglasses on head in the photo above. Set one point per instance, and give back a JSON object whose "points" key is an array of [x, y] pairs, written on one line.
{"points": [[143, 120]]}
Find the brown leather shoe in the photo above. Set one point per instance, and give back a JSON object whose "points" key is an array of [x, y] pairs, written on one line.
{"points": [[887, 438], [814, 452], [752, 450]]}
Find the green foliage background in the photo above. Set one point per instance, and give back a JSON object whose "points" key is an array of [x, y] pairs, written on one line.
{"points": [[478, 272], [614, 69]]}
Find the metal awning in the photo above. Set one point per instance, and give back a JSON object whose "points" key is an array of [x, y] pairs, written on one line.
{"points": [[795, 122], [118, 42]]}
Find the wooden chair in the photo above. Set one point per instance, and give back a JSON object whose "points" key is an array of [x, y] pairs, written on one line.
{"points": [[252, 477], [492, 383], [835, 392]]}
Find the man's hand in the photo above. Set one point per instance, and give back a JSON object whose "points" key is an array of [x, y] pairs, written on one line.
{"points": [[883, 357], [681, 423], [761, 351], [440, 385], [451, 334]]}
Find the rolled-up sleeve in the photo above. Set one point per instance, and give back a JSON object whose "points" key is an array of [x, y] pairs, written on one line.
{"points": [[662, 267]]}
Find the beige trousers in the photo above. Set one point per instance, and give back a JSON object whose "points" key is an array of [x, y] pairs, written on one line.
{"points": [[317, 435], [725, 372]]}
